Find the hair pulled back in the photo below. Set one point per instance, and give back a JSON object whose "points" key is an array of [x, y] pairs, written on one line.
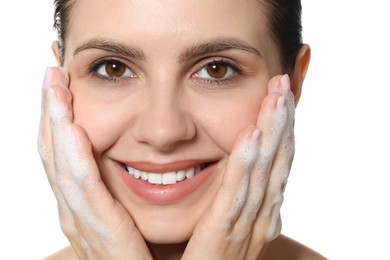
{"points": [[284, 18]]}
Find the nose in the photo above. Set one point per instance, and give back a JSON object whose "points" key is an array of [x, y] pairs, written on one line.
{"points": [[165, 121]]}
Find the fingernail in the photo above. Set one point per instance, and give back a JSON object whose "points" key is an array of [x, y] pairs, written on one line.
{"points": [[59, 78], [281, 102], [54, 94], [285, 81]]}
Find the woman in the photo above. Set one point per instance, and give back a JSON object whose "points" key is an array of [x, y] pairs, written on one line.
{"points": [[167, 133]]}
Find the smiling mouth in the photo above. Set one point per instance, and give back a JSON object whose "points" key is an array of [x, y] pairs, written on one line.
{"points": [[166, 178]]}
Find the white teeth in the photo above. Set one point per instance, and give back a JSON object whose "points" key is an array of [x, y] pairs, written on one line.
{"points": [[181, 175], [144, 176], [137, 173], [155, 178], [164, 178], [190, 173], [169, 178]]}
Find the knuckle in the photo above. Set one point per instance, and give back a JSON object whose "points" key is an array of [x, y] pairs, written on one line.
{"points": [[67, 226]]}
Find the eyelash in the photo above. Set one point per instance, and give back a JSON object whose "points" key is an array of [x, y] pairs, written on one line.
{"points": [[102, 62], [93, 69], [236, 70]]}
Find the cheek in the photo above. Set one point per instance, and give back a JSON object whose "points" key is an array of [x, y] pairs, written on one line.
{"points": [[223, 119], [96, 122], [101, 118], [220, 117]]}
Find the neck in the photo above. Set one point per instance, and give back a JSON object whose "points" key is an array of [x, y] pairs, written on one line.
{"points": [[167, 251]]}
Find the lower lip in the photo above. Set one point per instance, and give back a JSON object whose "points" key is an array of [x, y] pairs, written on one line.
{"points": [[165, 194]]}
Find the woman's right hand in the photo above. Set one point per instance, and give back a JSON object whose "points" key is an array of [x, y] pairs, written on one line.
{"points": [[97, 225]]}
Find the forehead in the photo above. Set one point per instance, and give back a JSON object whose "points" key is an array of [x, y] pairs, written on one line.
{"points": [[153, 23]]}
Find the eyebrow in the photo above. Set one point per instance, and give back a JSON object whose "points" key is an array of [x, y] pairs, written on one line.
{"points": [[217, 45], [110, 46], [197, 50]]}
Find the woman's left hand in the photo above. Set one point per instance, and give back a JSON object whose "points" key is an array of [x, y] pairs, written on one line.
{"points": [[245, 215]]}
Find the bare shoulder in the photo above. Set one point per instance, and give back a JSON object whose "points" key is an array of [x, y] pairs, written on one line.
{"points": [[284, 248], [65, 254]]}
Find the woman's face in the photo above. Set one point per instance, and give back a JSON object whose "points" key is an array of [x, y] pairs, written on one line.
{"points": [[165, 87]]}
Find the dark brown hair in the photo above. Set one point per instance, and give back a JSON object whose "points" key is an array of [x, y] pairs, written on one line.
{"points": [[284, 17], [285, 25]]}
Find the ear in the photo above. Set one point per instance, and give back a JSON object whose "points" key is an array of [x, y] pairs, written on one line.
{"points": [[55, 46], [301, 65]]}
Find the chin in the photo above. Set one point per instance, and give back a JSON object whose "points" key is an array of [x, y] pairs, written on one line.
{"points": [[174, 220], [171, 224], [167, 231]]}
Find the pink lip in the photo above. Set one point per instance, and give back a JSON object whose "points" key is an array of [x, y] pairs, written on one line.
{"points": [[165, 194]]}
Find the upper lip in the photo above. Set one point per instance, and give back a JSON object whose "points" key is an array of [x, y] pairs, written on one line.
{"points": [[146, 166]]}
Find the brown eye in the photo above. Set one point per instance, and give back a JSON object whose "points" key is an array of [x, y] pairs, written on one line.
{"points": [[217, 70], [115, 69]]}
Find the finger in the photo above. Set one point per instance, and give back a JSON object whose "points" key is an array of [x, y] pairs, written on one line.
{"points": [[285, 151], [244, 184], [76, 171], [101, 221], [269, 220], [271, 121], [233, 191], [281, 168], [53, 77], [214, 231], [245, 178]]}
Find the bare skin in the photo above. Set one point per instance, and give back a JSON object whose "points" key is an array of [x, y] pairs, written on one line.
{"points": [[159, 113], [282, 248], [224, 225]]}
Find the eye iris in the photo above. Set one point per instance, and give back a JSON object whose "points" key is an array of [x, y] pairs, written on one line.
{"points": [[217, 70], [115, 69]]}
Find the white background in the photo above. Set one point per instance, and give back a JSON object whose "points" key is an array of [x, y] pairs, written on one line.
{"points": [[337, 200]]}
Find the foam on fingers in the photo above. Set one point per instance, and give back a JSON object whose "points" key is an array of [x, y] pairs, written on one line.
{"points": [[243, 155], [55, 76]]}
